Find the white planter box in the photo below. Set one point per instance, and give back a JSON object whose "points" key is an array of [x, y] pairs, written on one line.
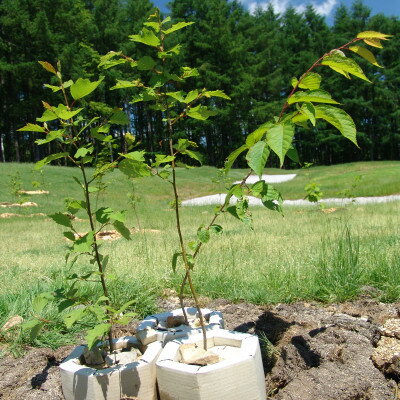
{"points": [[149, 329], [138, 378], [239, 376]]}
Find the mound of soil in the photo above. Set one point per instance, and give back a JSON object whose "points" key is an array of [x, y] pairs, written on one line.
{"points": [[311, 351]]}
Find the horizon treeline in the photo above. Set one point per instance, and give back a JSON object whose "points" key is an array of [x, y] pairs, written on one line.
{"points": [[252, 57]]}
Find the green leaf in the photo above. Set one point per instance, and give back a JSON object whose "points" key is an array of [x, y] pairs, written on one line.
{"points": [[121, 84], [40, 164], [40, 301], [257, 157], [257, 135], [318, 96], [83, 151], [54, 89], [233, 156], [308, 110], [146, 63], [177, 96], [162, 159], [108, 61], [175, 260], [200, 112], [366, 54], [52, 135], [188, 72], [373, 35], [74, 316], [118, 216], [146, 37], [269, 196], [195, 155], [48, 67], [125, 306], [203, 235], [217, 229], [61, 219], [31, 128], [33, 326], [374, 43], [69, 235], [191, 96], [83, 87], [339, 119], [337, 61], [134, 169], [183, 144], [176, 27], [216, 93], [95, 334], [119, 118], [293, 155], [311, 81], [103, 214], [122, 229], [84, 243], [279, 139], [153, 25]]}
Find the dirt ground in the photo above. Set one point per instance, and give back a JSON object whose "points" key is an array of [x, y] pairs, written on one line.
{"points": [[311, 352]]}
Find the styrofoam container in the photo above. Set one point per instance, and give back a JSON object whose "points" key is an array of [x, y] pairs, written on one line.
{"points": [[135, 379], [239, 376], [149, 329]]}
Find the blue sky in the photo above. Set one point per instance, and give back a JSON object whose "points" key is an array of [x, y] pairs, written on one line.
{"points": [[323, 7]]}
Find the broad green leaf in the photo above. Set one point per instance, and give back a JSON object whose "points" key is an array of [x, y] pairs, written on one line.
{"points": [[84, 243], [47, 116], [41, 301], [134, 169], [188, 72], [146, 63], [195, 155], [55, 89], [153, 25], [183, 144], [337, 61], [83, 87], [269, 196], [374, 43], [217, 229], [216, 93], [95, 334], [118, 216], [69, 235], [279, 139], [74, 316], [257, 157], [235, 190], [61, 219], [33, 327], [119, 118], [73, 206], [175, 260], [121, 84], [122, 229], [308, 110], [191, 96], [48, 67], [108, 61], [233, 156], [146, 37], [60, 112], [176, 27], [103, 214], [318, 96], [52, 135], [40, 164], [162, 159], [168, 53], [366, 54], [339, 119], [177, 96], [135, 155], [200, 112], [311, 81], [257, 135], [203, 235], [31, 128], [83, 151], [373, 35], [293, 155]]}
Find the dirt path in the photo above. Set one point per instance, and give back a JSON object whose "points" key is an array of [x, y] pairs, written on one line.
{"points": [[314, 352]]}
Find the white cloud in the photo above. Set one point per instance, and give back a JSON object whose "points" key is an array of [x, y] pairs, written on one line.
{"points": [[324, 8]]}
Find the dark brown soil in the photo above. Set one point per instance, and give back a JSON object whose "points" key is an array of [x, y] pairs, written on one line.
{"points": [[312, 352]]}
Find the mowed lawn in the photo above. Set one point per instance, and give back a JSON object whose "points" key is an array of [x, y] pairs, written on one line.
{"points": [[306, 254]]}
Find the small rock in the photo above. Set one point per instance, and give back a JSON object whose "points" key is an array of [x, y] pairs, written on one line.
{"points": [[93, 357], [194, 355], [146, 336], [391, 328], [386, 356], [174, 321]]}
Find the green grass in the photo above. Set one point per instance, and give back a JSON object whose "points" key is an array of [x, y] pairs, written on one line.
{"points": [[307, 254]]}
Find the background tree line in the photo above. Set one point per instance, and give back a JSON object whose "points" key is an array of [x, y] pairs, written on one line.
{"points": [[252, 57]]}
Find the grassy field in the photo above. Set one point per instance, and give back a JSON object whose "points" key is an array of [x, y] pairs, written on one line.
{"points": [[307, 254]]}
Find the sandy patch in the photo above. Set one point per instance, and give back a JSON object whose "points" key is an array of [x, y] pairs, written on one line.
{"points": [[12, 215], [220, 198], [25, 204], [269, 178], [34, 192], [114, 235]]}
